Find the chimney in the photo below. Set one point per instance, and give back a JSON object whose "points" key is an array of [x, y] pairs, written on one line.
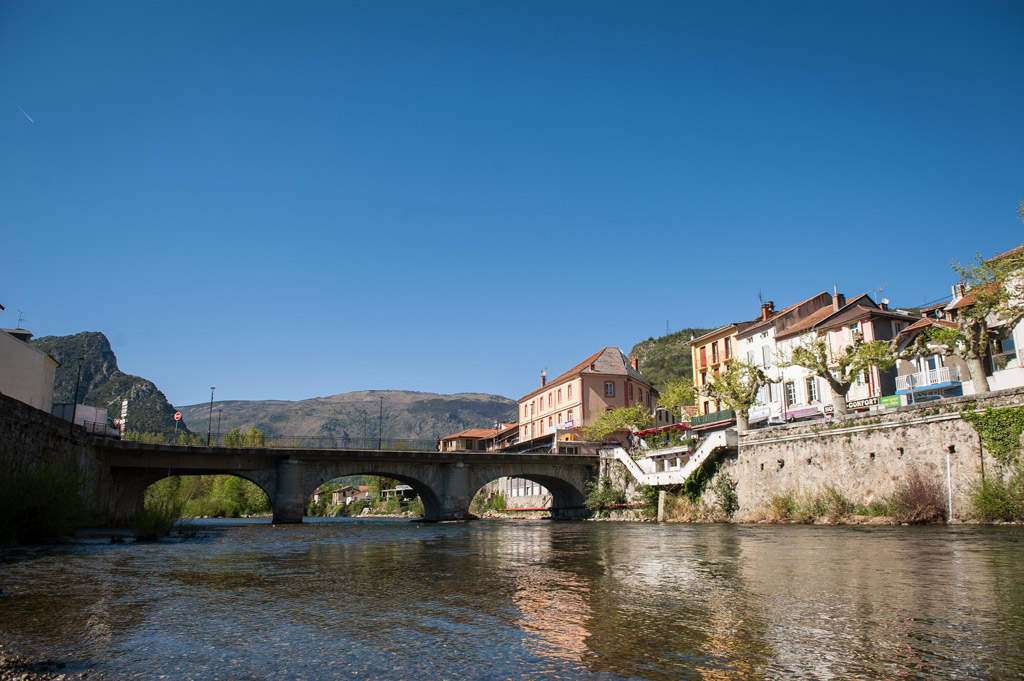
{"points": [[636, 364], [838, 302], [767, 310], [543, 378]]}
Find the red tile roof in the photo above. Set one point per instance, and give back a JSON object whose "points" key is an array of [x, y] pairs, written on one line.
{"points": [[472, 432]]}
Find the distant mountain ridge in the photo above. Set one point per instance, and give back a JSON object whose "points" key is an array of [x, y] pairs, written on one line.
{"points": [[403, 414]]}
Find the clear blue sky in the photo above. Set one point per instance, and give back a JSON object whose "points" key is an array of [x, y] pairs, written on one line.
{"points": [[289, 200]]}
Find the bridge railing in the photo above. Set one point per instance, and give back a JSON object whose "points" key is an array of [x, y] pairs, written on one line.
{"points": [[301, 442]]}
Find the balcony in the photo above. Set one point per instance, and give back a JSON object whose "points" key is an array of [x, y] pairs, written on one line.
{"points": [[927, 380], [716, 417]]}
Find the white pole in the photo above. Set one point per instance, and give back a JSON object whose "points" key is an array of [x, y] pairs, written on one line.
{"points": [[949, 487]]}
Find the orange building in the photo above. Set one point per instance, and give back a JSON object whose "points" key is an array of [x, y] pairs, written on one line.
{"points": [[605, 380]]}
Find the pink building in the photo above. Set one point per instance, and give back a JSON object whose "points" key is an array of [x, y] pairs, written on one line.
{"points": [[605, 380]]}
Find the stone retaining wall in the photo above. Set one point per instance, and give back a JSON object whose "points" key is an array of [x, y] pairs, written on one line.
{"points": [[30, 438], [866, 457]]}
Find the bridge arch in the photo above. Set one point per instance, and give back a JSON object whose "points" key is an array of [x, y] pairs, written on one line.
{"points": [[433, 506], [128, 486], [568, 488]]}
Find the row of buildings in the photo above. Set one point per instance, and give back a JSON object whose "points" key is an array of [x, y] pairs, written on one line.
{"points": [[795, 393]]}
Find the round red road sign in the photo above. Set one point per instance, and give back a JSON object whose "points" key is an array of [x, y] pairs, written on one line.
{"points": [[177, 416]]}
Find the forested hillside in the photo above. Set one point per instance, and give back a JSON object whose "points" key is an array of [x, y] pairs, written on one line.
{"points": [[667, 358]]}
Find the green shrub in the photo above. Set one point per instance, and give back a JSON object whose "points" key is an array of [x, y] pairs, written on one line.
{"points": [[602, 496], [997, 499], [726, 498], [833, 505], [154, 522], [648, 496], [40, 504]]}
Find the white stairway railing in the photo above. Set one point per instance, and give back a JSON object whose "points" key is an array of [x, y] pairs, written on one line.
{"points": [[640, 469]]}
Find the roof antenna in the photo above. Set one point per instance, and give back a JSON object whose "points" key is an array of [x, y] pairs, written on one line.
{"points": [[21, 318]]}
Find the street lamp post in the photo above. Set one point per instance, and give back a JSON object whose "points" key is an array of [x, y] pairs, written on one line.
{"points": [[209, 426], [74, 400], [380, 426]]}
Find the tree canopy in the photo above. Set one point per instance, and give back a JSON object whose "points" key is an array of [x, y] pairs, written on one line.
{"points": [[623, 418], [736, 388], [841, 369]]}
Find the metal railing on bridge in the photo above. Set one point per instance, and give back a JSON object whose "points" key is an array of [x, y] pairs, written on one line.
{"points": [[294, 441]]}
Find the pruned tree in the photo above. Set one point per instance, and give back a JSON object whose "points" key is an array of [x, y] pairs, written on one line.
{"points": [[736, 388], [623, 418], [841, 369], [993, 304]]}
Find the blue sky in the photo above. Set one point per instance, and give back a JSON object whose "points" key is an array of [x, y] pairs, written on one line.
{"points": [[290, 200]]}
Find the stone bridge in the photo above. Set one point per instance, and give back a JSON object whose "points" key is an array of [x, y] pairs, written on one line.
{"points": [[445, 481]]}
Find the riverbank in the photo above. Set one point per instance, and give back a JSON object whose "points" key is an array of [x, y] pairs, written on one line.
{"points": [[15, 667]]}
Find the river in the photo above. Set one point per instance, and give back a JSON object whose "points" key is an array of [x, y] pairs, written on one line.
{"points": [[382, 599]]}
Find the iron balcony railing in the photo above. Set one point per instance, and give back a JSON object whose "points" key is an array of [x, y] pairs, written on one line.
{"points": [[924, 379], [714, 417]]}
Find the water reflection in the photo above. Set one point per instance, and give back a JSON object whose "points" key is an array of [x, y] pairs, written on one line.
{"points": [[531, 600]]}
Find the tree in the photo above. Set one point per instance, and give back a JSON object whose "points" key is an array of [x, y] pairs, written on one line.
{"points": [[250, 438], [993, 304], [675, 395], [842, 369], [623, 418], [736, 388]]}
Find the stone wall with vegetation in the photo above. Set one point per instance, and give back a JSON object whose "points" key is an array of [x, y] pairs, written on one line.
{"points": [[866, 458], [50, 476]]}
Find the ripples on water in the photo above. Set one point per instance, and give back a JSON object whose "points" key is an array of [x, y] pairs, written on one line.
{"points": [[527, 600]]}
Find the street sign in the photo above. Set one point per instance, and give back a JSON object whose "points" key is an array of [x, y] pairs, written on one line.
{"points": [[177, 416]]}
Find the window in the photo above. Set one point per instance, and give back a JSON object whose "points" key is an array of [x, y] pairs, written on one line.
{"points": [[750, 357], [714, 352], [551, 402], [706, 411], [703, 378], [551, 422], [559, 395], [648, 399], [790, 393], [630, 391], [609, 389], [773, 392], [570, 391], [812, 390], [728, 347], [570, 414], [766, 354], [704, 356]]}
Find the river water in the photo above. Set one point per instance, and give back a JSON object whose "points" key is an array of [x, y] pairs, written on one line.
{"points": [[358, 599]]}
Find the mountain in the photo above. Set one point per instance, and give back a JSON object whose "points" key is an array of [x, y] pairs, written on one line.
{"points": [[667, 358], [103, 384], [402, 415]]}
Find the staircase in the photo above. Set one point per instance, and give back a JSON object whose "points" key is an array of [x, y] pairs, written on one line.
{"points": [[644, 474]]}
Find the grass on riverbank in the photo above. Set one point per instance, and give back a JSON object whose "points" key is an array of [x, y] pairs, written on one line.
{"points": [[999, 500], [915, 502], [40, 504]]}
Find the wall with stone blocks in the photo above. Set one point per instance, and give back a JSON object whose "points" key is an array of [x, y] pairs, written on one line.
{"points": [[867, 457], [30, 438]]}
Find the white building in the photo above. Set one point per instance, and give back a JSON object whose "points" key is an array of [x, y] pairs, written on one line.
{"points": [[26, 373]]}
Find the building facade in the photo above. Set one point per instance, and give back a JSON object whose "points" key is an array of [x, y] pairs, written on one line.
{"points": [[26, 373]]}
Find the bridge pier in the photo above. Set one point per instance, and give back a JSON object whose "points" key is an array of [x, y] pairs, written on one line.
{"points": [[289, 500], [457, 494]]}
